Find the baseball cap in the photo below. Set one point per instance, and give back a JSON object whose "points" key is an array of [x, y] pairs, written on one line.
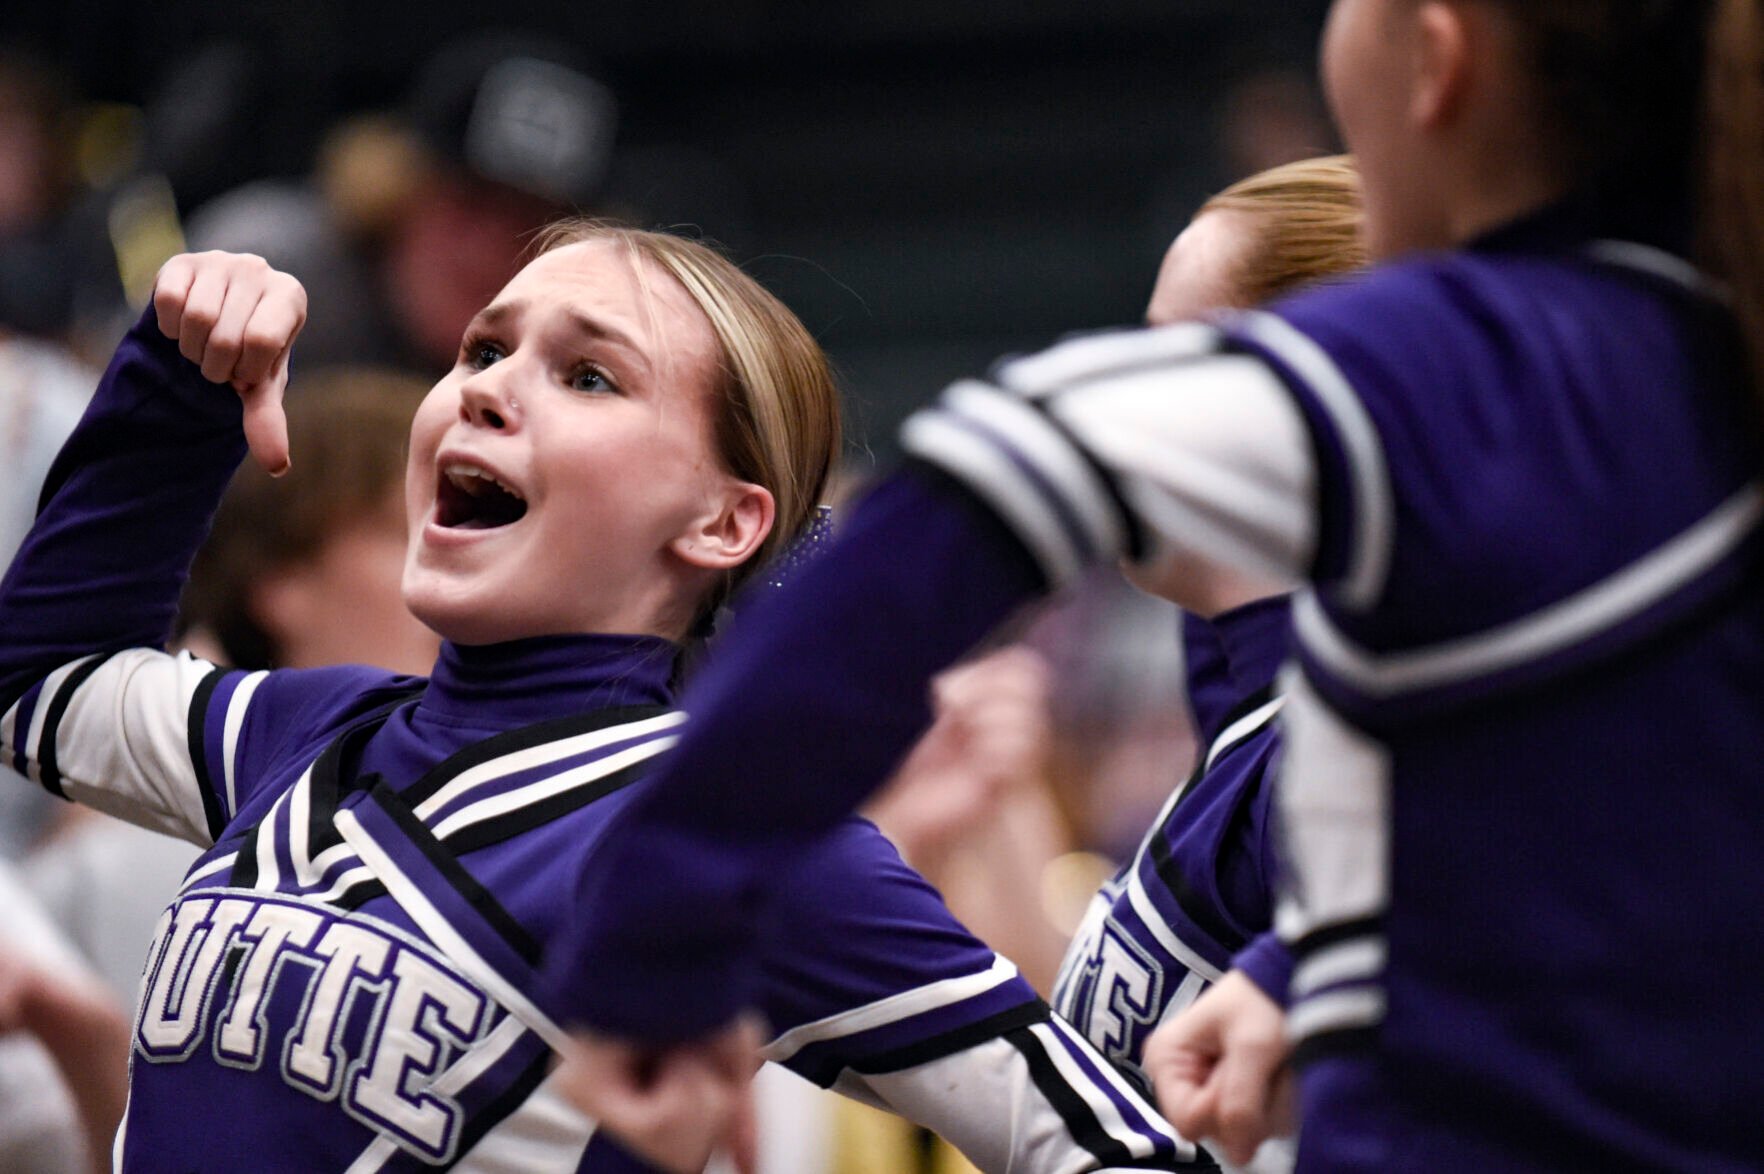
{"points": [[517, 111]]}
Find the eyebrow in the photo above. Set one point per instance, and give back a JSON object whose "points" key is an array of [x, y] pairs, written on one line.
{"points": [[498, 312]]}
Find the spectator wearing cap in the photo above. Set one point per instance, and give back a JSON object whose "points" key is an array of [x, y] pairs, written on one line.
{"points": [[413, 220]]}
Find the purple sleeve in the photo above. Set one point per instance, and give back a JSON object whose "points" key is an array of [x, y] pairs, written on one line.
{"points": [[125, 506], [806, 707], [1268, 963], [853, 933]]}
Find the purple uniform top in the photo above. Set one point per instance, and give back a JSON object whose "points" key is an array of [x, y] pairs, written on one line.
{"points": [[1201, 886], [349, 977], [1522, 743]]}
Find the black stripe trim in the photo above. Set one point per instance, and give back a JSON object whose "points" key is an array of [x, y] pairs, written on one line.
{"points": [[513, 823], [196, 733], [455, 874], [1081, 1120], [956, 1039], [1202, 912], [502, 1106], [1130, 524], [1335, 933], [337, 762], [506, 826], [48, 772], [319, 836], [1198, 909], [1346, 1041], [525, 738], [1237, 713], [325, 790], [244, 874]]}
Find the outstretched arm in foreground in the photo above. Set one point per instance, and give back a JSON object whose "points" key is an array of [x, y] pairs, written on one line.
{"points": [[1102, 448]]}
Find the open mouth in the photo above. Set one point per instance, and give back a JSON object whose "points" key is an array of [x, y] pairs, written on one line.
{"points": [[468, 498]]}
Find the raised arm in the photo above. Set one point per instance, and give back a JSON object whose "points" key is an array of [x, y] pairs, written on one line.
{"points": [[93, 591]]}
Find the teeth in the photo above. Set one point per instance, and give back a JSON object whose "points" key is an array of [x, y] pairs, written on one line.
{"points": [[475, 481]]}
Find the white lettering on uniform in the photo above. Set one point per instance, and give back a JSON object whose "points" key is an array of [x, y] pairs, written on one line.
{"points": [[429, 1012], [420, 1015], [240, 1040], [176, 1006], [1126, 1001], [315, 1056]]}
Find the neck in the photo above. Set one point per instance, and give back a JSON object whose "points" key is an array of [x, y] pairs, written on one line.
{"points": [[1486, 203]]}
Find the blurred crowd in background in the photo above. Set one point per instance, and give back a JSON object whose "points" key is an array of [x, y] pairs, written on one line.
{"points": [[928, 185]]}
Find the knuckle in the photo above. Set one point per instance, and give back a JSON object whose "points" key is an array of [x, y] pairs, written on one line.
{"points": [[257, 339]]}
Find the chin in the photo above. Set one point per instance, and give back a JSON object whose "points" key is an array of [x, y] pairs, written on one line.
{"points": [[449, 615]]}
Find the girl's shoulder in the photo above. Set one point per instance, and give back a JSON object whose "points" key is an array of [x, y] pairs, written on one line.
{"points": [[258, 728], [1474, 335]]}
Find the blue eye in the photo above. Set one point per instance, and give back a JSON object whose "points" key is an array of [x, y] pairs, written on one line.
{"points": [[590, 380], [479, 354]]}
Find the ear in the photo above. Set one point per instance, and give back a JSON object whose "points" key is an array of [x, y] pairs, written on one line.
{"points": [[1443, 62], [729, 533]]}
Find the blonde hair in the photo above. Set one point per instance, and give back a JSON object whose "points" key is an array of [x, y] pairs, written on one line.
{"points": [[777, 418], [1308, 226]]}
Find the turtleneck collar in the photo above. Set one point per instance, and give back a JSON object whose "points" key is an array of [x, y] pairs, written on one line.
{"points": [[1233, 656], [500, 686], [1575, 220]]}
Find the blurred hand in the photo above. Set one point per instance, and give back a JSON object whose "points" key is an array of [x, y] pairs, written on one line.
{"points": [[71, 1013], [1220, 1069], [674, 1107], [990, 735], [21, 986], [237, 319]]}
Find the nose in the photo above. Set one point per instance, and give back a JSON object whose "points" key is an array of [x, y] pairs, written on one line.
{"points": [[487, 401]]}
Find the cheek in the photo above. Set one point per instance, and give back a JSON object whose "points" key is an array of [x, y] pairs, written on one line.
{"points": [[1348, 66], [1332, 67], [1363, 71], [426, 429]]}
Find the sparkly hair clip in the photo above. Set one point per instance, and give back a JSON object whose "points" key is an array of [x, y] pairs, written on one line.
{"points": [[809, 545]]}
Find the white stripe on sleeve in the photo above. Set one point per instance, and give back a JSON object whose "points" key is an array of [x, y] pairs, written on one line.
{"points": [[1059, 1041], [1374, 506], [235, 722], [1104, 355], [904, 1005], [1212, 454], [986, 1101], [987, 468], [123, 746]]}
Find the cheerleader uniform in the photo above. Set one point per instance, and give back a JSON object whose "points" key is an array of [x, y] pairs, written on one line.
{"points": [[348, 978]]}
